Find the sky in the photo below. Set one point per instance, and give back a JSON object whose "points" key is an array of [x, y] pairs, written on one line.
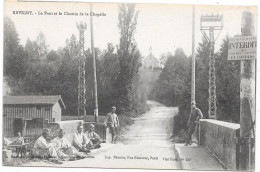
{"points": [[164, 27]]}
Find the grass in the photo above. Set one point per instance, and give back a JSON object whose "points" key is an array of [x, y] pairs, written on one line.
{"points": [[125, 122], [19, 161]]}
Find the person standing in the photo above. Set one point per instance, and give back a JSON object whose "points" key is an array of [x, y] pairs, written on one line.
{"points": [[112, 122], [195, 116]]}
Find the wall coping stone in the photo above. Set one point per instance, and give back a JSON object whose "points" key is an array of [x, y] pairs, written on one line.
{"points": [[222, 123]]}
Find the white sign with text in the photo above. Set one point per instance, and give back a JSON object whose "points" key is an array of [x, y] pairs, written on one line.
{"points": [[242, 48]]}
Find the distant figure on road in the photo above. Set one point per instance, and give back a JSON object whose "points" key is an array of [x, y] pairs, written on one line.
{"points": [[81, 141], [195, 116], [112, 122]]}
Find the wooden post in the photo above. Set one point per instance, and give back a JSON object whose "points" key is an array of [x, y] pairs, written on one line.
{"points": [[24, 127], [94, 67], [193, 57], [247, 100]]}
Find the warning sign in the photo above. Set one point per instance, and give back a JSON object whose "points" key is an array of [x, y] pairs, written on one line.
{"points": [[242, 48]]}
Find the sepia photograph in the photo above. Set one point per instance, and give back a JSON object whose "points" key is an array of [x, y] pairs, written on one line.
{"points": [[129, 85]]}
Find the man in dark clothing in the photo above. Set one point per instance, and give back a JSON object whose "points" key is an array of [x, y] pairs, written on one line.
{"points": [[195, 116]]}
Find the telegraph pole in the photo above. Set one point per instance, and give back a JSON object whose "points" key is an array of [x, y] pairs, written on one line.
{"points": [[193, 57], [247, 100], [94, 67]]}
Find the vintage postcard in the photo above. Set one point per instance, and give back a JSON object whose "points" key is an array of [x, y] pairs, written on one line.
{"points": [[129, 85]]}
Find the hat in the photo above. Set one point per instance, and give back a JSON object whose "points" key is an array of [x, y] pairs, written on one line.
{"points": [[193, 103], [113, 107], [45, 131], [91, 125]]}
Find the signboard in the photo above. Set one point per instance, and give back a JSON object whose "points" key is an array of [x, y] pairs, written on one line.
{"points": [[242, 48]]}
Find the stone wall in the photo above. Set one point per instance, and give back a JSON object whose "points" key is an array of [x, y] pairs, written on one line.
{"points": [[69, 127], [221, 139]]}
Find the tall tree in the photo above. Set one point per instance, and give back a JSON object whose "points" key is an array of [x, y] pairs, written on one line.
{"points": [[72, 46], [129, 59], [31, 48], [42, 46]]}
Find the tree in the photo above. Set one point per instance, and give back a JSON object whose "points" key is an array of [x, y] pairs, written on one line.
{"points": [[31, 48], [53, 56], [202, 76], [108, 76], [163, 59], [15, 58], [67, 82], [42, 47], [72, 46], [228, 85], [40, 79], [129, 60], [173, 81]]}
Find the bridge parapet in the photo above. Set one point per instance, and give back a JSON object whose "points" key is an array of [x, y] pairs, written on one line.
{"points": [[221, 139], [70, 127]]}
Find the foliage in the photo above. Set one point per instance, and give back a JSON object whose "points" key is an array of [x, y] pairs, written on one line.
{"points": [[202, 77], [173, 80], [15, 57], [36, 70], [173, 86], [130, 97], [228, 86], [227, 82]]}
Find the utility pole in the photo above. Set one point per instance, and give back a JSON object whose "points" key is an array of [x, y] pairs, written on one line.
{"points": [[247, 101], [193, 57], [216, 25], [94, 67], [81, 77]]}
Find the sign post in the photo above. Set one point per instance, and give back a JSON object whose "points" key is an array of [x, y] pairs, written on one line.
{"points": [[244, 49]]}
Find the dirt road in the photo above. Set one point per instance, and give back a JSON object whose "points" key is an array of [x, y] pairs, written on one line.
{"points": [[146, 144]]}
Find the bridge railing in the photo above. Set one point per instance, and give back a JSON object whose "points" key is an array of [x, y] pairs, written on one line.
{"points": [[221, 139]]}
